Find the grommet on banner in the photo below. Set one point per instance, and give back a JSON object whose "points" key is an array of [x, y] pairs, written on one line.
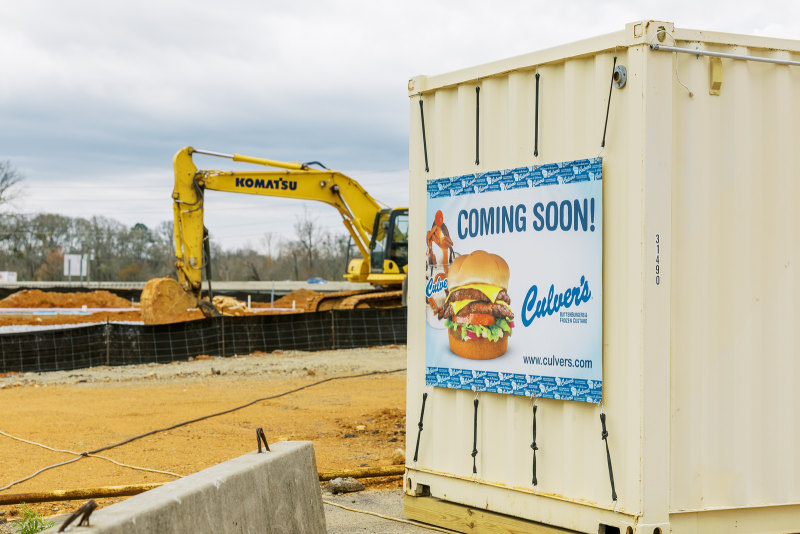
{"points": [[475, 438], [424, 140], [536, 120], [419, 432], [608, 454], [533, 444]]}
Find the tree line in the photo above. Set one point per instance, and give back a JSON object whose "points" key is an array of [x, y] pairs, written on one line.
{"points": [[34, 245]]}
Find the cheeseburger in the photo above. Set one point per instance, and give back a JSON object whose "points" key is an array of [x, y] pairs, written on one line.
{"points": [[477, 311]]}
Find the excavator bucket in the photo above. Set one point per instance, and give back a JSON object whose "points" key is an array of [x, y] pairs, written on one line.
{"points": [[164, 301]]}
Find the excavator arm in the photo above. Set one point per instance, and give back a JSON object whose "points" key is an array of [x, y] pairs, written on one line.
{"points": [[294, 180]]}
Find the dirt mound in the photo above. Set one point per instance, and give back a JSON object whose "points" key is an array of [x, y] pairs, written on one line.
{"points": [[34, 298], [300, 297], [163, 301], [231, 306]]}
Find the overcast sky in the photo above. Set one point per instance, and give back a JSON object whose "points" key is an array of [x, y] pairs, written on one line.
{"points": [[97, 96]]}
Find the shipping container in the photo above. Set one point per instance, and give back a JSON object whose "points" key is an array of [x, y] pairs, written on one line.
{"points": [[697, 137]]}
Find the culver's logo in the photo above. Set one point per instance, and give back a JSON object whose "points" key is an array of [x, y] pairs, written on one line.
{"points": [[534, 307], [435, 285]]}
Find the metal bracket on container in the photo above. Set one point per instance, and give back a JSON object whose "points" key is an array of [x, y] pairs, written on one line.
{"points": [[83, 512], [620, 76]]}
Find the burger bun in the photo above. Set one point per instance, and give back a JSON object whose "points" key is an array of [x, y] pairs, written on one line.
{"points": [[479, 267], [477, 348]]}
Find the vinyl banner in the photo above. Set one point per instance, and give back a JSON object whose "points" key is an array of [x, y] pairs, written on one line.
{"points": [[514, 281]]}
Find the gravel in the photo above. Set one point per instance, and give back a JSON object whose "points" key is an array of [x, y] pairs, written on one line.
{"points": [[18, 328], [289, 364]]}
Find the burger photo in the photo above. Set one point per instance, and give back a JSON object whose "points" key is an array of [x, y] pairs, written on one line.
{"points": [[477, 311]]}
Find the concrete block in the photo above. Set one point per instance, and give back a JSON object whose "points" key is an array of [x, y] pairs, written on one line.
{"points": [[274, 492]]}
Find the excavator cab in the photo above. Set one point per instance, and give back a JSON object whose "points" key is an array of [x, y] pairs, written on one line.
{"points": [[389, 244]]}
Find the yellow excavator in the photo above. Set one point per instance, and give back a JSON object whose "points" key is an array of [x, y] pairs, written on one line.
{"points": [[381, 234]]}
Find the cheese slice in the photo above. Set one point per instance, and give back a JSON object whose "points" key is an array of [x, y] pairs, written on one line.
{"points": [[458, 305], [490, 291]]}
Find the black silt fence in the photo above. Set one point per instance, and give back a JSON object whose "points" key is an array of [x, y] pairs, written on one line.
{"points": [[125, 344]]}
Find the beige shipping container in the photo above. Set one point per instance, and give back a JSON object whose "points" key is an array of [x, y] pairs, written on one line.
{"points": [[701, 371]]}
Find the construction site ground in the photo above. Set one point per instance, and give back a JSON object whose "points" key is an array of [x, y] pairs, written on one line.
{"points": [[353, 422], [55, 308]]}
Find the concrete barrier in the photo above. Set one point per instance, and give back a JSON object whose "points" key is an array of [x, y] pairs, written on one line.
{"points": [[275, 492]]}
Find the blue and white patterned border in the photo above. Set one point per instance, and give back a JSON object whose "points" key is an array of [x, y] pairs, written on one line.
{"points": [[582, 170], [547, 387]]}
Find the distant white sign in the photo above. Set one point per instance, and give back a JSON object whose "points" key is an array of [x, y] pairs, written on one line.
{"points": [[8, 276], [76, 264]]}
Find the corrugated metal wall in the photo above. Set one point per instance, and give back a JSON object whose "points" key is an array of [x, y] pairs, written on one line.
{"points": [[735, 364]]}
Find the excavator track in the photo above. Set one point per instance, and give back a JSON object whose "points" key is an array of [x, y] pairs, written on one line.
{"points": [[377, 299], [348, 300]]}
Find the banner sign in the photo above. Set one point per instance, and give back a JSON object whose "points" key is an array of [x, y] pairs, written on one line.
{"points": [[514, 281]]}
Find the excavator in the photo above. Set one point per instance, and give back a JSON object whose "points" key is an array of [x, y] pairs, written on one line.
{"points": [[381, 234]]}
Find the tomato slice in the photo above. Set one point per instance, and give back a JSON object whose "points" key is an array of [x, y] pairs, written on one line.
{"points": [[484, 319]]}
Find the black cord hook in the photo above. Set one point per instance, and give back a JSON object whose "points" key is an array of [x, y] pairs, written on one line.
{"points": [[424, 140], [477, 124], [536, 123], [608, 106], [419, 432], [534, 446], [83, 512], [475, 437], [260, 437], [608, 456]]}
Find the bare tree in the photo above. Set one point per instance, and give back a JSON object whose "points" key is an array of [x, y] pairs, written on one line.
{"points": [[10, 182]]}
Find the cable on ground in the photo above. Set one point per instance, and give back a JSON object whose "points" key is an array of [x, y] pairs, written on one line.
{"points": [[198, 419], [136, 467]]}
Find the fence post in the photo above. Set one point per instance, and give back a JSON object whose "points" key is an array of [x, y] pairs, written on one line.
{"points": [[333, 330], [108, 342], [222, 320]]}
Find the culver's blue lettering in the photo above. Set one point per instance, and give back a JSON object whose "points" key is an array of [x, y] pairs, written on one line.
{"points": [[533, 307], [260, 183], [435, 286]]}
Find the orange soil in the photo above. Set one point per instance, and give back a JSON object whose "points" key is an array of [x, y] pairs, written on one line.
{"points": [[34, 298], [352, 423]]}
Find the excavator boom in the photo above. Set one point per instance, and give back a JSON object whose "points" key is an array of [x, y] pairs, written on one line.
{"points": [[380, 234]]}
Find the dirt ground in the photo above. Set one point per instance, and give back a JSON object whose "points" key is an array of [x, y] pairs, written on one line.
{"points": [[102, 306], [353, 422]]}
